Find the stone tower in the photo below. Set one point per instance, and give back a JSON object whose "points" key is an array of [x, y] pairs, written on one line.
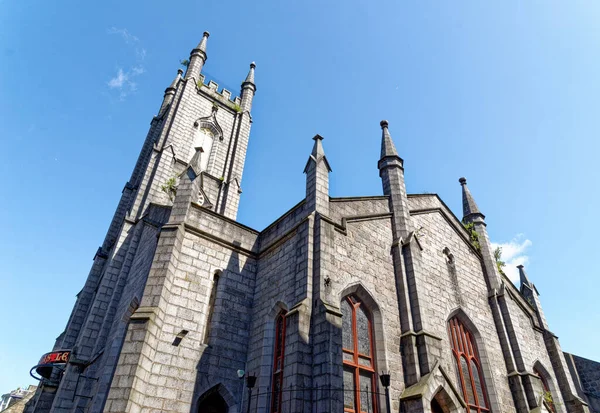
{"points": [[378, 304], [192, 158]]}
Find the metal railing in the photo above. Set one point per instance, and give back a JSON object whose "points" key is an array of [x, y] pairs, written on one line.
{"points": [[295, 398]]}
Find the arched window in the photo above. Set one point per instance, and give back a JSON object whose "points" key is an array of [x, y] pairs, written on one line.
{"points": [[547, 394], [204, 138], [211, 305], [278, 357], [468, 367], [359, 362]]}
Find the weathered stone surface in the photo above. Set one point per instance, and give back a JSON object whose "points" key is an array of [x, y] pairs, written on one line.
{"points": [[181, 298]]}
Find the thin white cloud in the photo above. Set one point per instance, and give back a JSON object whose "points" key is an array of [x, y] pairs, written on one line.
{"points": [[514, 253], [137, 70], [123, 82], [124, 33], [118, 81]]}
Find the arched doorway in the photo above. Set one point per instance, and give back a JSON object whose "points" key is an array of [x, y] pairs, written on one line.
{"points": [[435, 407], [212, 403]]}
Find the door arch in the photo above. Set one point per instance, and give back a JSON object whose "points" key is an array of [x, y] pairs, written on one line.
{"points": [[212, 403]]}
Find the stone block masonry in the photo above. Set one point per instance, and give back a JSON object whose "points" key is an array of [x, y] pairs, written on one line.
{"points": [[180, 308]]}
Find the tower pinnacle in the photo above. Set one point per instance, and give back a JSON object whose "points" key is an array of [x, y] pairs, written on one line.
{"points": [[170, 93], [317, 178], [470, 209], [525, 282], [202, 44], [387, 145], [250, 78], [197, 58], [248, 89]]}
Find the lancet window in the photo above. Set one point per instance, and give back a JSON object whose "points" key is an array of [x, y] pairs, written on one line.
{"points": [[468, 367], [547, 394], [278, 359], [358, 357]]}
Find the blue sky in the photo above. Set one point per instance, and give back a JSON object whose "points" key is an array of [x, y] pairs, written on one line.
{"points": [[503, 92]]}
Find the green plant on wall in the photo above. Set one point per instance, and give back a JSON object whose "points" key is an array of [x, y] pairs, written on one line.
{"points": [[548, 399], [170, 188], [184, 62], [470, 227], [237, 108], [498, 258]]}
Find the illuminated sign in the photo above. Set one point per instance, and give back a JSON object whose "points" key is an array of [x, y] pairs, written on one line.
{"points": [[55, 357], [48, 361]]}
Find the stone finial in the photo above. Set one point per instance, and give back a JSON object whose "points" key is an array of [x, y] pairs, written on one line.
{"points": [[470, 208], [175, 81], [318, 153], [523, 277], [202, 44], [250, 78], [387, 144]]}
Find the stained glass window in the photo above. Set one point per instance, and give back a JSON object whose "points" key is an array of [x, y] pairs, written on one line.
{"points": [[469, 375], [359, 366], [277, 379]]}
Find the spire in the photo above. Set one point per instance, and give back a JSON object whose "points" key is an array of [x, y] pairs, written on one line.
{"points": [[248, 89], [202, 45], [250, 77], [317, 178], [317, 154], [175, 81], [389, 154], [170, 93], [387, 145], [470, 209], [391, 171], [523, 276], [197, 58]]}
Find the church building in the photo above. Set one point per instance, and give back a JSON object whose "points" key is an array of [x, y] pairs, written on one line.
{"points": [[377, 304]]}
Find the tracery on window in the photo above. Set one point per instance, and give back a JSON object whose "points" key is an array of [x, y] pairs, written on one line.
{"points": [[468, 367], [359, 378], [278, 359]]}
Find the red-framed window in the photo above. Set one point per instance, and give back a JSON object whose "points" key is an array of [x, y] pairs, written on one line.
{"points": [[359, 364], [547, 392], [468, 367], [277, 379]]}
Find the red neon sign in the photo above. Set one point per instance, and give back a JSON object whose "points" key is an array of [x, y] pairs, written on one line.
{"points": [[55, 357]]}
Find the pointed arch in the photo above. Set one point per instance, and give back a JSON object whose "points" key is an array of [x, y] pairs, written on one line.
{"points": [[268, 342], [219, 398], [206, 133], [211, 304], [363, 348], [471, 365], [442, 402], [547, 385]]}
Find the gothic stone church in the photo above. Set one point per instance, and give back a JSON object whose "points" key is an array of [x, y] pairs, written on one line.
{"points": [[371, 304]]}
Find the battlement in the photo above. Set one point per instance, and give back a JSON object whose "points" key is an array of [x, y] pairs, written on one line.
{"points": [[224, 96]]}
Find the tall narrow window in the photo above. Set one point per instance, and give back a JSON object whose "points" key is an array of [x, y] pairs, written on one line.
{"points": [[277, 380], [468, 367], [359, 366], [547, 395], [211, 305]]}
